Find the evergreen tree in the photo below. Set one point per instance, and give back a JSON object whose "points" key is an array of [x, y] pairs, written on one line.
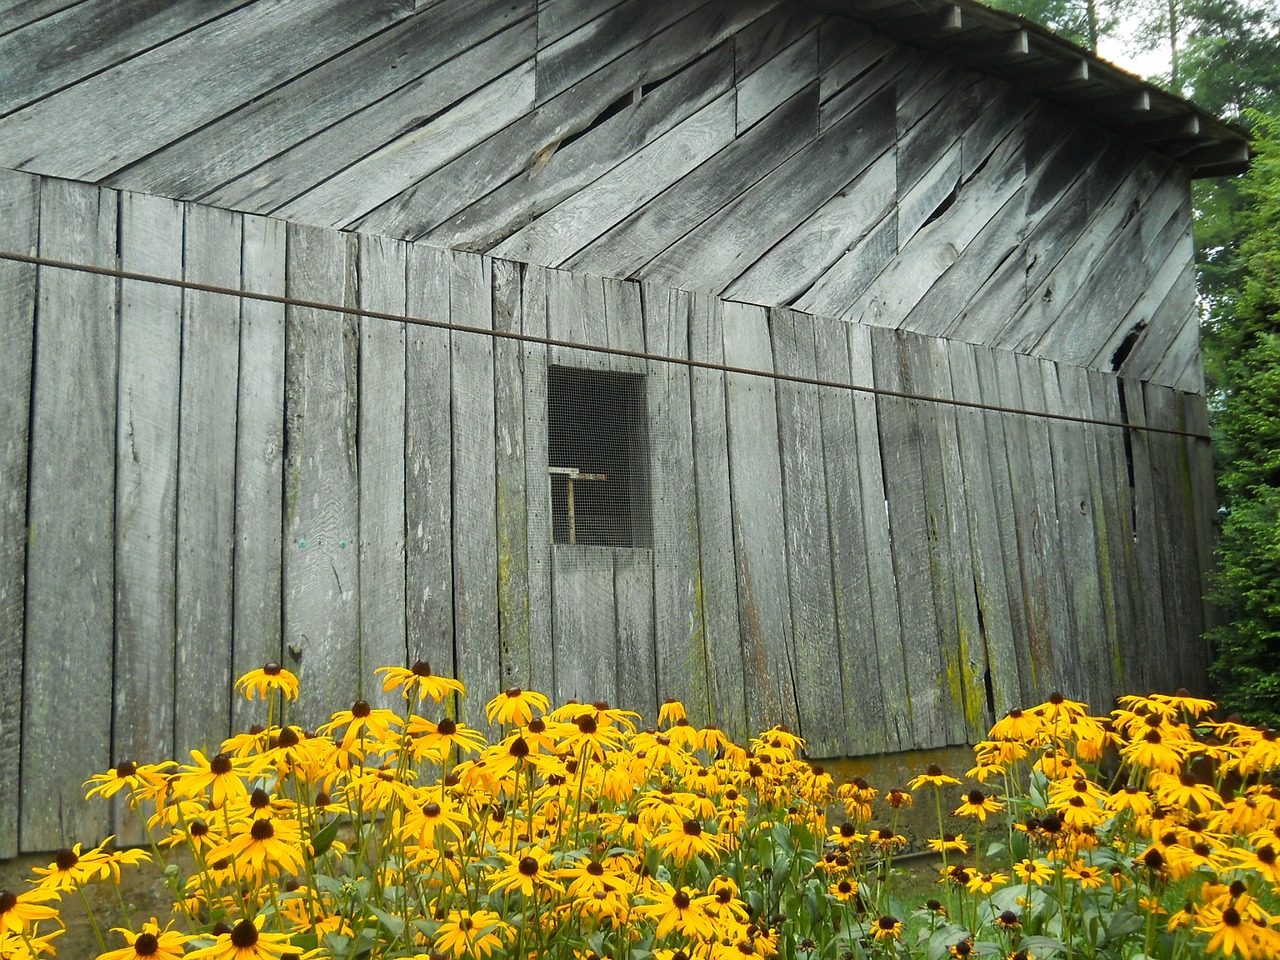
{"points": [[1247, 584]]}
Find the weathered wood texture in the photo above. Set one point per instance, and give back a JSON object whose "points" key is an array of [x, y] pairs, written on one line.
{"points": [[758, 151], [258, 481]]}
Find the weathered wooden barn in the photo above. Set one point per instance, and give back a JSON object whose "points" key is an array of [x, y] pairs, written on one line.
{"points": [[954, 249]]}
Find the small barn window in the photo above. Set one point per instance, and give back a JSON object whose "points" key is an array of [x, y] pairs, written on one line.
{"points": [[598, 457]]}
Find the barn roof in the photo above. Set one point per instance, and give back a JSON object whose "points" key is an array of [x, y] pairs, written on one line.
{"points": [[1039, 61]]}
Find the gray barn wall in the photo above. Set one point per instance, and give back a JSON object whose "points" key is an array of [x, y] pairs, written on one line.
{"points": [[206, 482]]}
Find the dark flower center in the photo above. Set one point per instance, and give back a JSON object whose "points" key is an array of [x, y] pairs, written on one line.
{"points": [[465, 923], [681, 900], [220, 765], [432, 809], [845, 887], [446, 727], [1008, 918], [977, 798], [528, 866], [288, 738], [146, 945], [587, 724], [848, 830], [262, 830], [537, 725], [1237, 888], [421, 669], [601, 704], [361, 709], [126, 768], [245, 935], [693, 828], [1056, 698], [519, 747], [259, 799], [933, 771], [7, 901], [1231, 917], [199, 828], [887, 922], [272, 669], [514, 692], [595, 869], [66, 859], [1267, 854]]}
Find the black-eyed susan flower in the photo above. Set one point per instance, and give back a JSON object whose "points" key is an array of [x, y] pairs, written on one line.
{"points": [[127, 775], [933, 777], [515, 707], [529, 870], [419, 682], [843, 890], [978, 804], [1033, 872], [1017, 725], [471, 934], [670, 712], [222, 775], [1089, 876], [433, 822], [149, 943], [679, 910], [265, 846], [434, 741], [70, 869], [245, 941], [684, 843], [1232, 931], [887, 927], [987, 882], [270, 678], [949, 843], [18, 911]]}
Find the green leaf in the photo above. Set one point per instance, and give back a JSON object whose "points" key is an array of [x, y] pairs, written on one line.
{"points": [[324, 838], [1041, 947], [1124, 922]]}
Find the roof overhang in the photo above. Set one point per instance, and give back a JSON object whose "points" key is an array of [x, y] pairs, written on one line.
{"points": [[1039, 61]]}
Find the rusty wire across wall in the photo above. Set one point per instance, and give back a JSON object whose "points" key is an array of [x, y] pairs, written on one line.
{"points": [[287, 301]]}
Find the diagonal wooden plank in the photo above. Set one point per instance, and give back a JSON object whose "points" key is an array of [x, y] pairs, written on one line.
{"points": [[675, 211], [332, 115], [763, 89], [86, 38], [95, 128], [19, 226]]}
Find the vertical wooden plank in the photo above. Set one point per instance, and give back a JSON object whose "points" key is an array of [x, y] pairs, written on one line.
{"points": [[475, 532], [963, 625], [1175, 512], [583, 611], [428, 471], [19, 232], [808, 539], [999, 608], [902, 440], [381, 461], [206, 480], [1080, 515], [885, 616], [1204, 497], [322, 523], [1115, 533], [717, 576], [535, 358], [259, 525], [678, 578], [633, 576], [854, 628], [1023, 536], [1157, 674], [512, 507], [1046, 531], [755, 477], [66, 706], [146, 488], [637, 684]]}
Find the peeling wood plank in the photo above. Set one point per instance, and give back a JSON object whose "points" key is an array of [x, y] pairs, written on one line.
{"points": [[715, 563], [381, 431], [322, 524], [260, 451], [206, 479], [755, 475], [151, 234], [475, 532], [808, 539], [429, 464], [19, 232], [71, 523], [95, 128], [573, 140]]}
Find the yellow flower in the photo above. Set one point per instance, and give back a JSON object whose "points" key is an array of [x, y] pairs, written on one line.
{"points": [[270, 677], [986, 882], [949, 843], [127, 774], [670, 712], [1033, 872], [434, 741], [266, 846], [887, 928], [1232, 931], [844, 890], [515, 706], [1018, 726], [18, 911], [679, 910], [419, 681], [1088, 876], [689, 841], [246, 941], [222, 774], [150, 944], [525, 873], [361, 720], [933, 777], [477, 934], [978, 804]]}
